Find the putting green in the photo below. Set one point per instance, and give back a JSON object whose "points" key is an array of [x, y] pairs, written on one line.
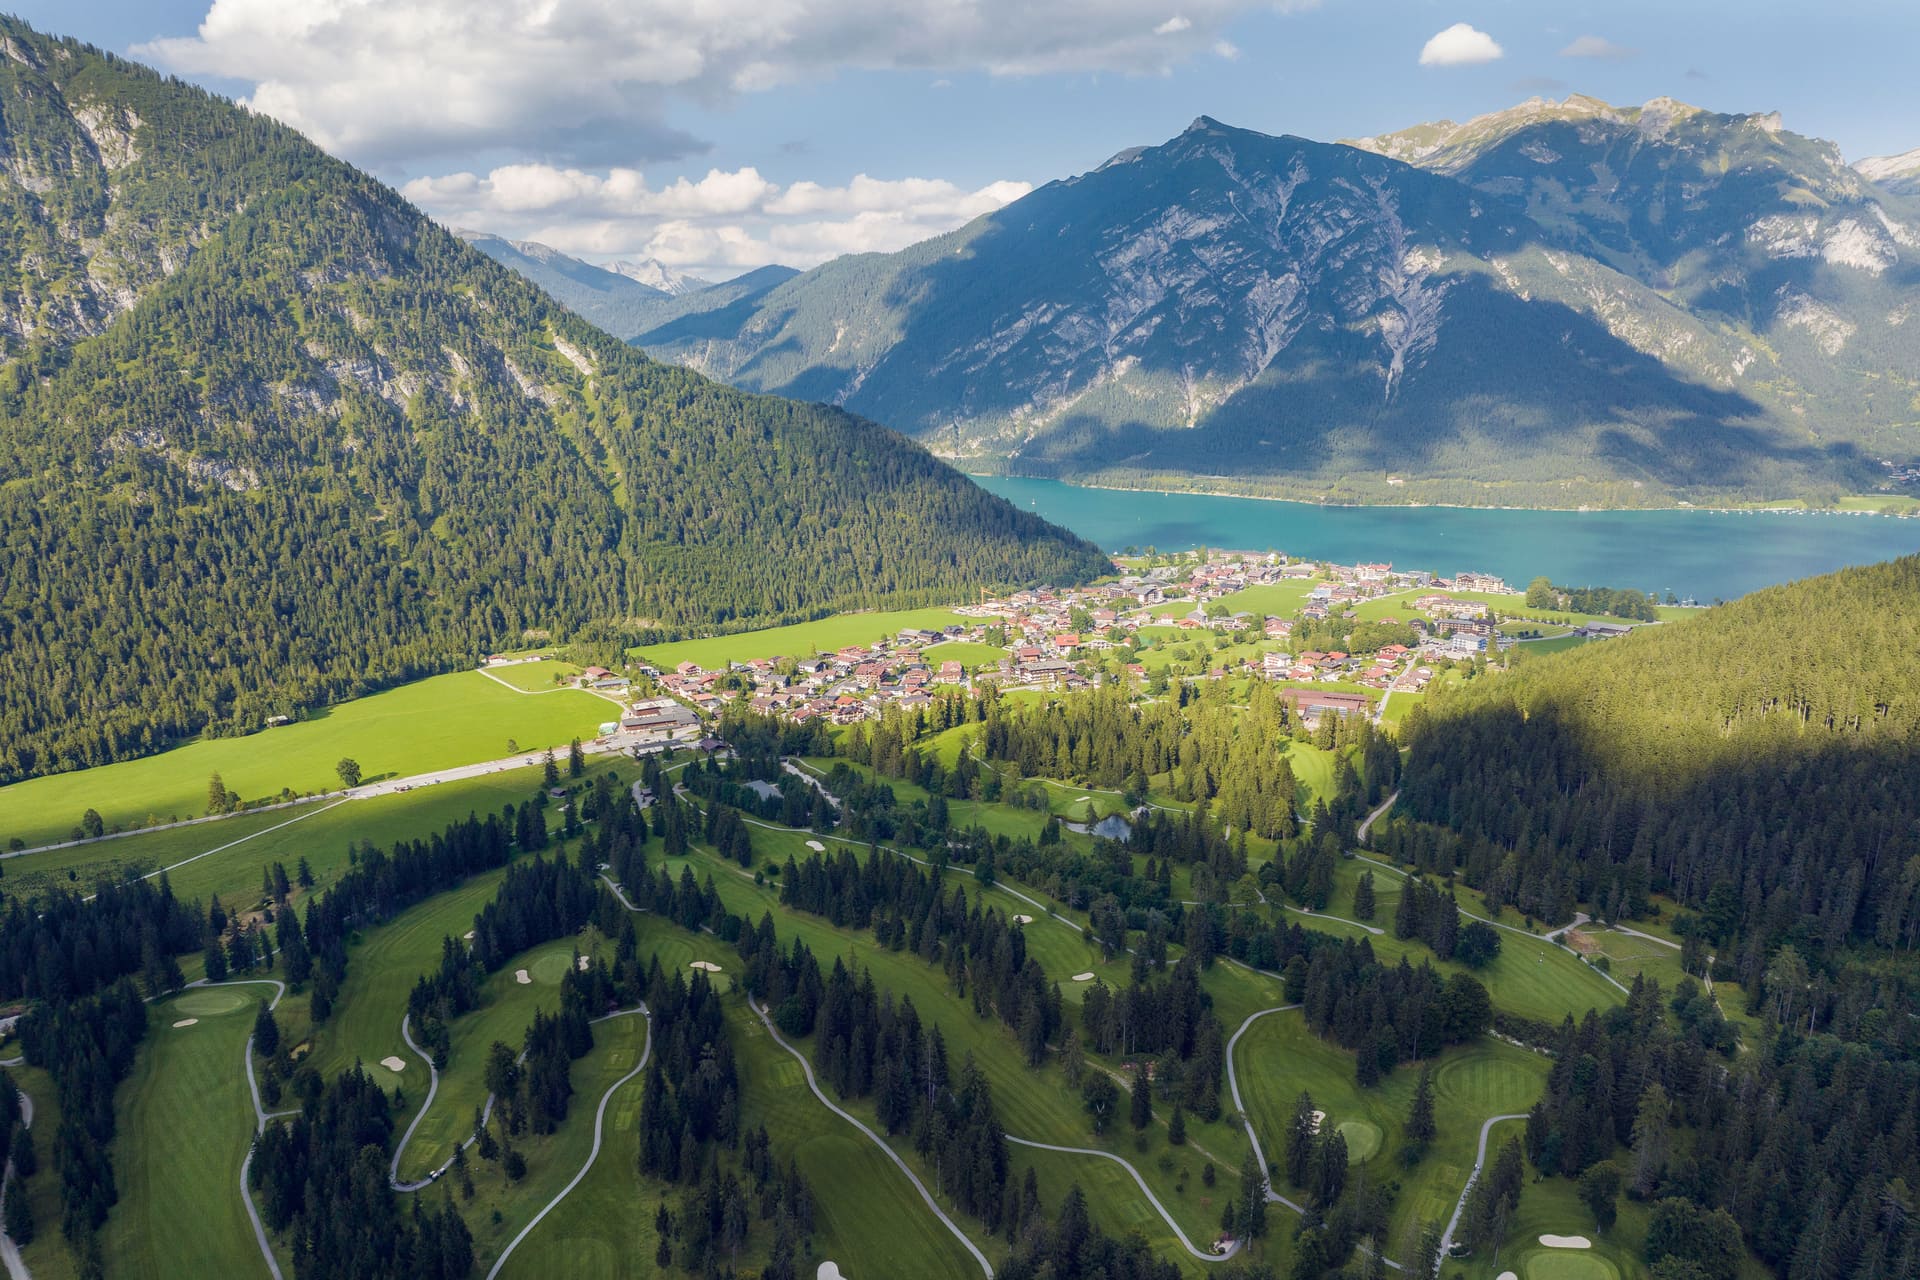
{"points": [[1567, 1264], [549, 969], [204, 1002], [1363, 1138]]}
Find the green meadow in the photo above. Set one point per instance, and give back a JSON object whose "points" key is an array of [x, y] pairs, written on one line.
{"points": [[439, 723], [797, 640]]}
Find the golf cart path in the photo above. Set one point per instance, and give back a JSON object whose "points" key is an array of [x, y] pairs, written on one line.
{"points": [[1547, 938], [260, 1117], [1367, 825], [1446, 1237], [806, 1069], [599, 1131], [9, 1252], [1144, 1190]]}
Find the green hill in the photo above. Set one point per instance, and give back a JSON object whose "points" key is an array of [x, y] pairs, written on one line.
{"points": [[270, 438], [1759, 763]]}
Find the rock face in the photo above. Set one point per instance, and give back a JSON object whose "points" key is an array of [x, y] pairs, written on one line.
{"points": [[1565, 302], [1899, 174]]}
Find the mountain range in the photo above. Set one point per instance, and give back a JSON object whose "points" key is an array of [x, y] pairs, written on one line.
{"points": [[1560, 304], [270, 438], [624, 298]]}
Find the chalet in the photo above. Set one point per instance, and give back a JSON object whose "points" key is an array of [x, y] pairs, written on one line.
{"points": [[950, 673], [596, 673], [1275, 665], [1604, 630]]}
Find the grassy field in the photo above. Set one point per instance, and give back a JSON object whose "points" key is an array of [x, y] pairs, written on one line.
{"points": [[1279, 1058], [236, 849], [432, 724], [798, 640], [969, 655], [185, 1125], [535, 677]]}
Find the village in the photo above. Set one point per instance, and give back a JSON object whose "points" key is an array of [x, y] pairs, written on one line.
{"points": [[1316, 629]]}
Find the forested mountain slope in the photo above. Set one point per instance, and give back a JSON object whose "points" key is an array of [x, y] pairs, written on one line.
{"points": [[1572, 304], [1760, 763], [268, 438]]}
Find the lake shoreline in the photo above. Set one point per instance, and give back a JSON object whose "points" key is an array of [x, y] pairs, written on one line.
{"points": [[978, 476]]}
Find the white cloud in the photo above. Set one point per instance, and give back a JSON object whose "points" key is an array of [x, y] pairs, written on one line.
{"points": [[378, 81], [1226, 49], [1458, 46], [717, 224], [1598, 47]]}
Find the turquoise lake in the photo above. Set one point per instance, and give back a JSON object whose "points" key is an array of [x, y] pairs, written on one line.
{"points": [[1705, 555]]}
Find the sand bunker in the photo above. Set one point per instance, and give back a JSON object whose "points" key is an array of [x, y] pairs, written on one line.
{"points": [[1023, 919], [1083, 799], [708, 965], [522, 977], [1566, 1242], [584, 961], [1508, 1275], [817, 847], [186, 1022], [829, 1270], [392, 1063], [468, 935], [1084, 977], [1319, 1118]]}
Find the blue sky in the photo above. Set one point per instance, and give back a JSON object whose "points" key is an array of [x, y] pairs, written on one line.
{"points": [[721, 134]]}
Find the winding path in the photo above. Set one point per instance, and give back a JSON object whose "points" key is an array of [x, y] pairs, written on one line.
{"points": [[599, 1129], [1367, 826], [1144, 1189], [9, 1252], [260, 1118], [806, 1069], [1547, 938], [1446, 1237]]}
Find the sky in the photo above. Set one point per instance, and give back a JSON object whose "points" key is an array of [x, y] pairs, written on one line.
{"points": [[722, 135]]}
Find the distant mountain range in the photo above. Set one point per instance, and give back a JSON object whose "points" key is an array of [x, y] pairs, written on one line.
{"points": [[623, 298], [1559, 304], [270, 438]]}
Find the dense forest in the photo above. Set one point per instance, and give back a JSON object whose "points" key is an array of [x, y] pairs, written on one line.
{"points": [[272, 439], [1760, 765]]}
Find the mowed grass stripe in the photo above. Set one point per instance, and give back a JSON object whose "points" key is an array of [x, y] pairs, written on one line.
{"points": [[185, 1125]]}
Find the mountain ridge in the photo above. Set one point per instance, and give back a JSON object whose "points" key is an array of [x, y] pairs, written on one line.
{"points": [[1254, 313]]}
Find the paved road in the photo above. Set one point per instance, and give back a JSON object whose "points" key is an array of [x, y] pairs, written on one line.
{"points": [[9, 1253], [807, 1069], [1446, 1237], [599, 1129], [1367, 826], [1144, 1188]]}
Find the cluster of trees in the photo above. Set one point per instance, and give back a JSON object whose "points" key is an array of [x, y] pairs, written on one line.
{"points": [[1616, 602], [690, 1100], [322, 1179], [87, 1045], [1386, 1015], [1433, 916], [984, 955], [1758, 763], [1804, 1150], [1170, 1020], [1494, 1198], [534, 1090], [61, 947]]}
